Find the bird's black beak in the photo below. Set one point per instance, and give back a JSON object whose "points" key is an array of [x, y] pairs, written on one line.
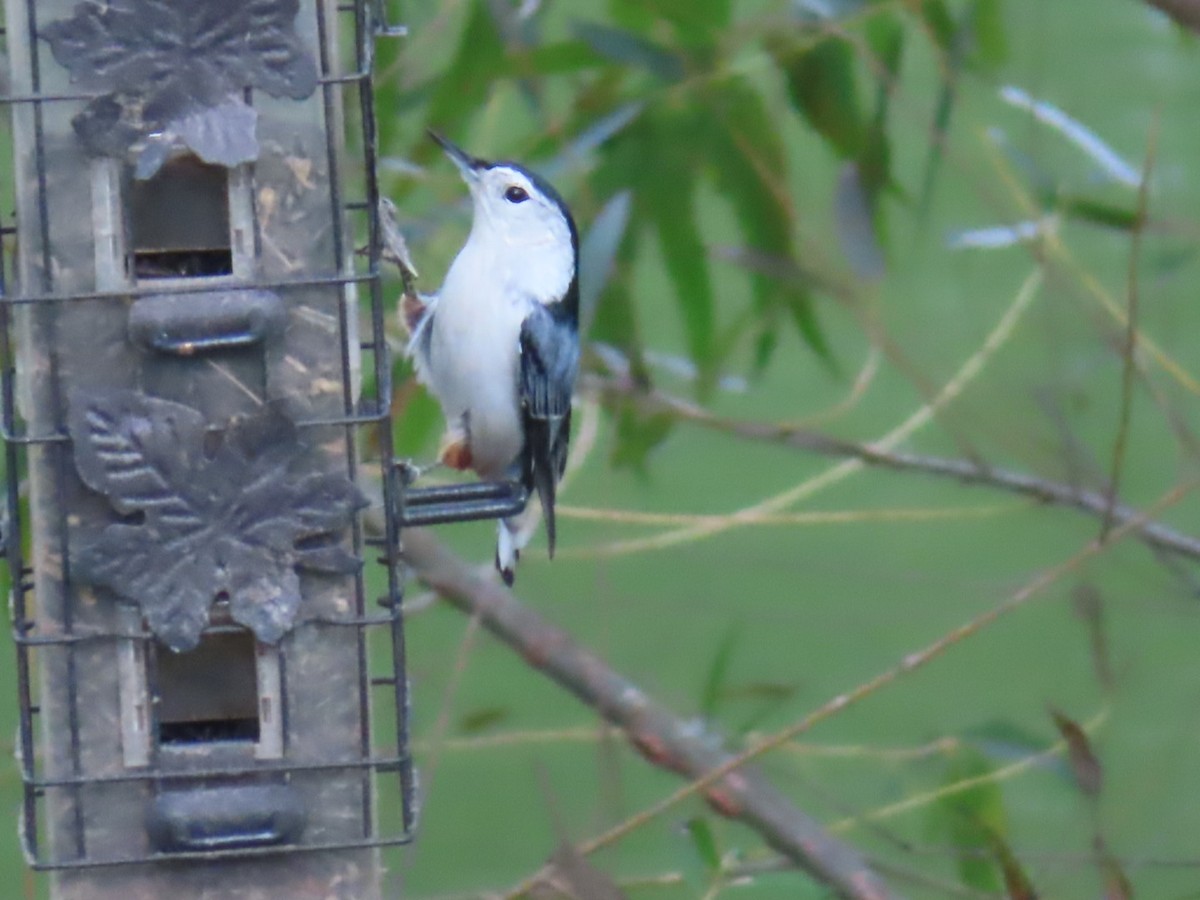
{"points": [[470, 166]]}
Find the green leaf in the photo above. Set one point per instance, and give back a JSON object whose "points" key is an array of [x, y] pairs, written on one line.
{"points": [[885, 36], [709, 15], [976, 40], [750, 172], [705, 844], [632, 14], [990, 44], [718, 673], [765, 344], [464, 86], [637, 435], [597, 133], [597, 253], [822, 85], [875, 161], [628, 48], [697, 24], [749, 164], [939, 139], [940, 23], [804, 318], [686, 263], [666, 194], [970, 819], [788, 272], [1098, 212], [563, 57], [957, 40], [616, 322], [482, 719]]}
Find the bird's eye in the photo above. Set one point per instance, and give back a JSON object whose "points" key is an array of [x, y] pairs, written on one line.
{"points": [[516, 195]]}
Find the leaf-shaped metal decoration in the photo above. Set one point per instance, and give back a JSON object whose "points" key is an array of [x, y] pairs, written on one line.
{"points": [[176, 70], [237, 520]]}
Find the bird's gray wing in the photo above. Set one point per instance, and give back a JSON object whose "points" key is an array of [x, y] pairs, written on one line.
{"points": [[549, 345]]}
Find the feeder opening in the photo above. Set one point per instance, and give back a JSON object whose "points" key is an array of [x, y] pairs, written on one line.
{"points": [[179, 222], [209, 694]]}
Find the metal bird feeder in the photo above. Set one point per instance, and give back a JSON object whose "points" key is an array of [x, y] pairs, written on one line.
{"points": [[192, 366]]}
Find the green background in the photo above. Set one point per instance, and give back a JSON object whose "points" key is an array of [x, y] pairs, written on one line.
{"points": [[759, 625]]}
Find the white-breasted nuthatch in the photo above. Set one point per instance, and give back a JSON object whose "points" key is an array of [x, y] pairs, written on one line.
{"points": [[498, 344]]}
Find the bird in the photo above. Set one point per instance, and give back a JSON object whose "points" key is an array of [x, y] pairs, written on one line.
{"points": [[498, 343]]}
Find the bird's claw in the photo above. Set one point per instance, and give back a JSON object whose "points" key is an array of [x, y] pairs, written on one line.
{"points": [[410, 472]]}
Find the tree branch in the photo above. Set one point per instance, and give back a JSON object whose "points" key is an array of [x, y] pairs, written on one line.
{"points": [[1185, 12], [661, 737], [1156, 535]]}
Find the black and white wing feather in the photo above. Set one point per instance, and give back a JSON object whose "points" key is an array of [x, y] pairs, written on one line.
{"points": [[549, 345]]}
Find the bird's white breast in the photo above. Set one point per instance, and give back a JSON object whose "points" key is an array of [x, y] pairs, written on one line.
{"points": [[474, 355]]}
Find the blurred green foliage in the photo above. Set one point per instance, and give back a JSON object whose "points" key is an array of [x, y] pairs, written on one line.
{"points": [[777, 187], [776, 193], [817, 211]]}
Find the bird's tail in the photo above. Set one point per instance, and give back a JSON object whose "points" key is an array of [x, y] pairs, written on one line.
{"points": [[547, 458], [512, 535], [543, 463]]}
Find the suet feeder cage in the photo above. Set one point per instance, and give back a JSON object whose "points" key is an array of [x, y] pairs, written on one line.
{"points": [[210, 651]]}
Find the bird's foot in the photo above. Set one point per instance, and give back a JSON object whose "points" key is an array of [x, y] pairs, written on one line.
{"points": [[410, 471]]}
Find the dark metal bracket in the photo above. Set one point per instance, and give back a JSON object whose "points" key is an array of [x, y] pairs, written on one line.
{"points": [[443, 504]]}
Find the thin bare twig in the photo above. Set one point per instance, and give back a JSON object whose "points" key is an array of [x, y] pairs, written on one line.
{"points": [[757, 867], [920, 417], [663, 738], [992, 776], [1052, 251], [722, 777], [720, 774], [1094, 503], [1129, 348]]}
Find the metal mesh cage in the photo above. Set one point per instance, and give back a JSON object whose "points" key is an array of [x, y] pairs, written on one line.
{"points": [[176, 702]]}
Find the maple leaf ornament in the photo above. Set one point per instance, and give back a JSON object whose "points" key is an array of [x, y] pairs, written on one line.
{"points": [[176, 71], [237, 520]]}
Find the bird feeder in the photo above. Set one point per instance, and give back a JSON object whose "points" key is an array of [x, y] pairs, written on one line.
{"points": [[193, 369]]}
